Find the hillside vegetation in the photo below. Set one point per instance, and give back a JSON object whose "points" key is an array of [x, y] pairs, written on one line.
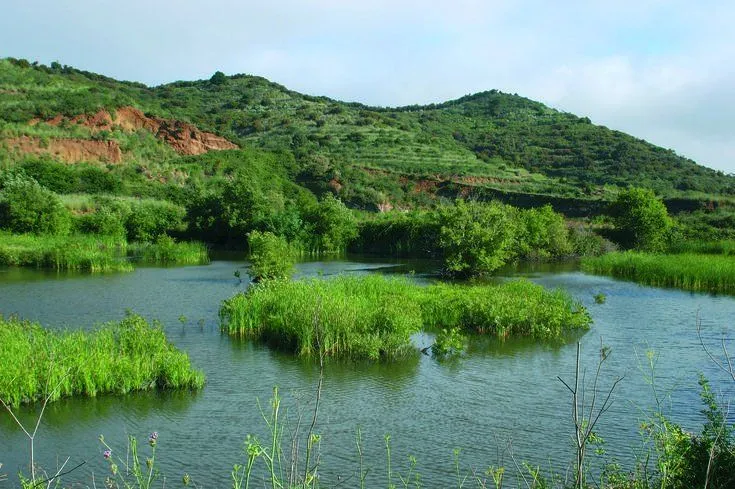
{"points": [[369, 156]]}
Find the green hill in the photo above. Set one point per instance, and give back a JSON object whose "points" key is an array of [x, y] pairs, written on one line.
{"points": [[487, 145]]}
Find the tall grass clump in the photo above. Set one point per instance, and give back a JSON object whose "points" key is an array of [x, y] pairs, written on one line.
{"points": [[720, 247], [706, 273], [76, 252], [118, 357], [373, 317], [517, 308], [166, 251], [353, 317]]}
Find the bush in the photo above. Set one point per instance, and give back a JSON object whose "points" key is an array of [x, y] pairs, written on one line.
{"points": [[475, 239], [27, 207], [641, 220], [271, 257], [332, 225], [150, 219], [542, 233]]}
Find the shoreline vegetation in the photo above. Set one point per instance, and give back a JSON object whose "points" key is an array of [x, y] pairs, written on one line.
{"points": [[696, 272], [117, 358], [373, 317], [93, 253]]}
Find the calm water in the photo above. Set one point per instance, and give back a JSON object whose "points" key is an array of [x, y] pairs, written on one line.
{"points": [[499, 397]]}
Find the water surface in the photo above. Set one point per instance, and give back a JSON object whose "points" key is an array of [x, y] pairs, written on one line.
{"points": [[500, 396]]}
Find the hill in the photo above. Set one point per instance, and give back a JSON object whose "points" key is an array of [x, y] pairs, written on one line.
{"points": [[130, 139]]}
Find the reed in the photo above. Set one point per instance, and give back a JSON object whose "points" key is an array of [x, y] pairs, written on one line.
{"points": [[117, 357], [367, 317], [517, 308], [721, 247], [373, 317], [698, 272], [165, 251], [76, 252]]}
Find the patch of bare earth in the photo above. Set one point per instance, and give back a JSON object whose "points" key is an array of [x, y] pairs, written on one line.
{"points": [[69, 150]]}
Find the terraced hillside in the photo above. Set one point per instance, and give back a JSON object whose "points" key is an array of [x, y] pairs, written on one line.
{"points": [[486, 145]]}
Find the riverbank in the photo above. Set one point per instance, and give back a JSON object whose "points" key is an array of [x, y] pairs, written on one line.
{"points": [[96, 254], [696, 272]]}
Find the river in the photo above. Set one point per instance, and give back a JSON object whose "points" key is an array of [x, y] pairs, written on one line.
{"points": [[501, 401]]}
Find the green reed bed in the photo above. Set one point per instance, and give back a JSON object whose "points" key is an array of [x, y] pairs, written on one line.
{"points": [[166, 251], [76, 252], [373, 317], [721, 247], [698, 272], [517, 308], [357, 317], [118, 357]]}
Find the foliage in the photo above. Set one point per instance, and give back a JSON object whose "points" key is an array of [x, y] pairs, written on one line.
{"points": [[641, 220], [705, 273], [332, 226], [373, 317], [117, 357], [271, 257], [686, 460], [167, 251], [542, 233], [75, 252], [27, 207], [365, 317], [475, 239], [148, 220], [511, 309]]}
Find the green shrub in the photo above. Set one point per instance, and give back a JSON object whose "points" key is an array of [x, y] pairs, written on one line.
{"points": [[27, 207], [475, 238], [271, 257], [149, 219], [641, 220], [332, 225]]}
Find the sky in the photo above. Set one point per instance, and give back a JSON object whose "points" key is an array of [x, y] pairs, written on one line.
{"points": [[661, 70]]}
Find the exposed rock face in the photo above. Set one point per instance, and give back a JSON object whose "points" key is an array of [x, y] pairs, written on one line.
{"points": [[183, 137], [69, 150]]}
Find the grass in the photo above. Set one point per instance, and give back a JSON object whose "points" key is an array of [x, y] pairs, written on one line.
{"points": [[357, 317], [697, 272], [118, 357], [373, 317], [517, 308], [166, 251], [93, 253], [76, 252], [720, 247]]}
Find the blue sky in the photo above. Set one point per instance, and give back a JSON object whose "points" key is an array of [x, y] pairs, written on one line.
{"points": [[662, 70]]}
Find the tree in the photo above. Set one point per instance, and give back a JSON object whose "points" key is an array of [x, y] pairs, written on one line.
{"points": [[218, 78], [641, 220], [475, 238], [271, 257], [333, 225], [28, 207]]}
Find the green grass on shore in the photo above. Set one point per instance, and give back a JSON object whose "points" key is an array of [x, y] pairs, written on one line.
{"points": [[373, 317], [166, 251], [76, 252], [117, 357], [93, 253], [698, 272]]}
